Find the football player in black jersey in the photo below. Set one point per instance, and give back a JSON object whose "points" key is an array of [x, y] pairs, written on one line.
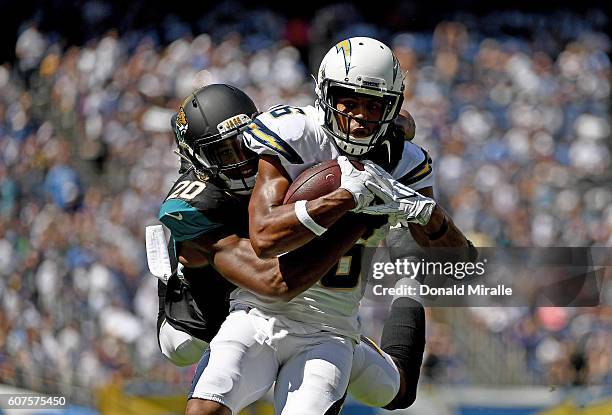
{"points": [[206, 212]]}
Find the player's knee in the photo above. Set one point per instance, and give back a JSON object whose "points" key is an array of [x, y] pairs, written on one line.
{"points": [[375, 397], [179, 347], [189, 352], [375, 378], [407, 393], [204, 407], [375, 387], [186, 353]]}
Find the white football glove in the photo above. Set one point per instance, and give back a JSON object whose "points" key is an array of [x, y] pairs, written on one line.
{"points": [[401, 203], [354, 181]]}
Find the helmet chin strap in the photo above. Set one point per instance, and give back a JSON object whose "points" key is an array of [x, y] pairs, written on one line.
{"points": [[184, 157]]}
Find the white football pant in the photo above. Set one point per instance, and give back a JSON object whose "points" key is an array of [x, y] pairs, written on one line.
{"points": [[250, 353]]}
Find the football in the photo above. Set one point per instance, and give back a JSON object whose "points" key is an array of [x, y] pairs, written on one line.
{"points": [[316, 181]]}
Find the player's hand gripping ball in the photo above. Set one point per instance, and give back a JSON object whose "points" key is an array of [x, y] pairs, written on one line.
{"points": [[324, 178]]}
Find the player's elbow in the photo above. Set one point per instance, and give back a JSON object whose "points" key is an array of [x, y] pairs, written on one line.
{"points": [[284, 296], [266, 238], [263, 245], [277, 289], [287, 294]]}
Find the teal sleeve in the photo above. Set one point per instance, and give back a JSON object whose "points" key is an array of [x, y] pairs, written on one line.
{"points": [[184, 221]]}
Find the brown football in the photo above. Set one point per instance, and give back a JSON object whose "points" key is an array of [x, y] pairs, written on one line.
{"points": [[316, 181]]}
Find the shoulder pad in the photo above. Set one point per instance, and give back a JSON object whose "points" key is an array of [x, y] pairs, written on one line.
{"points": [[415, 168], [278, 131]]}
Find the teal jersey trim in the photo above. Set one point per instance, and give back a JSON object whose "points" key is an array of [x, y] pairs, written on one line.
{"points": [[184, 221]]}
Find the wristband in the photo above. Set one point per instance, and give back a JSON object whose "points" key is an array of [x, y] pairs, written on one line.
{"points": [[306, 220]]}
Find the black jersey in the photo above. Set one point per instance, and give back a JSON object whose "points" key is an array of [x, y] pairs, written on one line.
{"points": [[196, 300]]}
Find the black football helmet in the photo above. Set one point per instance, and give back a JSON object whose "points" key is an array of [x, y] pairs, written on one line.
{"points": [[208, 129]]}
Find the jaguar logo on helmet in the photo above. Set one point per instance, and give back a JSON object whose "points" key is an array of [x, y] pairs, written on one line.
{"points": [[181, 122], [345, 48]]}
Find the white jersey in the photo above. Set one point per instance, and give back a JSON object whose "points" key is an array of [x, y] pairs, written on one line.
{"points": [[295, 136]]}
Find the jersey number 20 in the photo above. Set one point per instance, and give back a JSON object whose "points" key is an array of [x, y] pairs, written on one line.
{"points": [[187, 190]]}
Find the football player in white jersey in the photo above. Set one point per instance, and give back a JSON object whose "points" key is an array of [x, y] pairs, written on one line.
{"points": [[360, 92], [306, 345]]}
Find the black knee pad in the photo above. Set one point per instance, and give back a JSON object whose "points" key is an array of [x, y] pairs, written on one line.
{"points": [[403, 338]]}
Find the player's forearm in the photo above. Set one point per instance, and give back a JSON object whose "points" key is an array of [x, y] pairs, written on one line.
{"points": [[442, 232], [239, 264], [279, 230], [305, 266], [285, 277]]}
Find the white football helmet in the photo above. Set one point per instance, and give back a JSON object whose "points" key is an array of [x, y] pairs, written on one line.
{"points": [[365, 66]]}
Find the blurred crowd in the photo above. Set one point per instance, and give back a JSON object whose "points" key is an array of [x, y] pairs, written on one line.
{"points": [[513, 108], [562, 346]]}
